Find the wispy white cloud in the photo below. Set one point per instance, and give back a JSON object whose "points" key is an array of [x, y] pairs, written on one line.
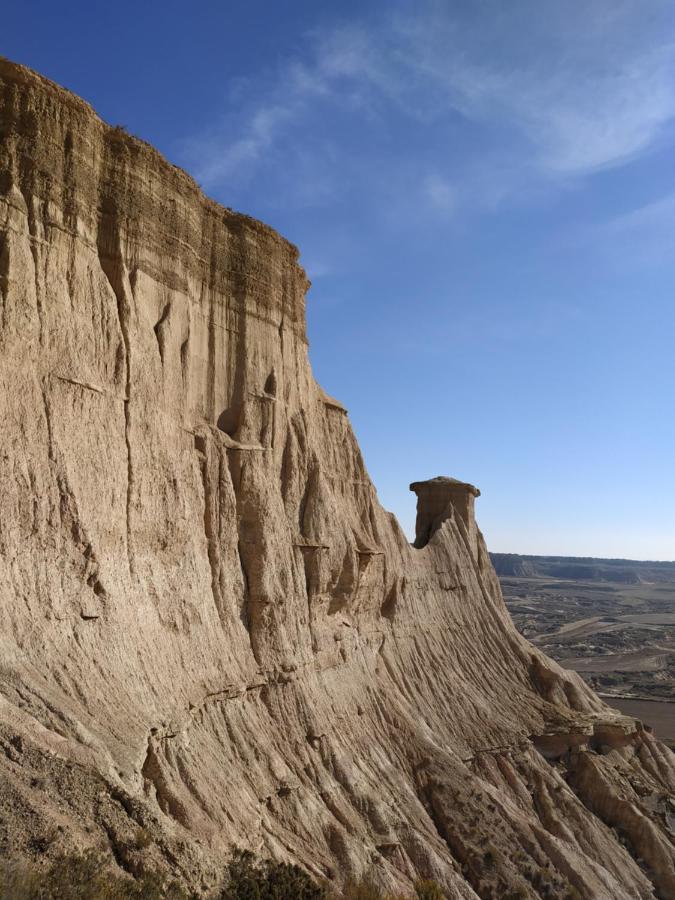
{"points": [[440, 193], [587, 90], [658, 216], [582, 118], [555, 91], [218, 159], [639, 237]]}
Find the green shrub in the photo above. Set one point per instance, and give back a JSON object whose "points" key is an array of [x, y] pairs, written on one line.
{"points": [[426, 889], [489, 857], [517, 893], [90, 876], [250, 879], [143, 839]]}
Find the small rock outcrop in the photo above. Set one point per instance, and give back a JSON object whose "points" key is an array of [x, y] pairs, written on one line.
{"points": [[439, 499], [211, 633]]}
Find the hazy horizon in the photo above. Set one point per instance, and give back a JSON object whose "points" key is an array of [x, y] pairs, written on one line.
{"points": [[484, 200], [579, 556]]}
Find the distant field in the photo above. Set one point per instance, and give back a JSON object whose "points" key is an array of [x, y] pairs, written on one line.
{"points": [[663, 619], [644, 660], [660, 716], [618, 634], [585, 568]]}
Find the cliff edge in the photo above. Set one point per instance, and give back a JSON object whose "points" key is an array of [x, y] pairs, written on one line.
{"points": [[210, 629]]}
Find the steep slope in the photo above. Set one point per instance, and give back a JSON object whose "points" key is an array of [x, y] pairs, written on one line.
{"points": [[209, 626]]}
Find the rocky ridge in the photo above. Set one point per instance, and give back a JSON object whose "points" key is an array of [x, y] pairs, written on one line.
{"points": [[211, 631], [590, 569]]}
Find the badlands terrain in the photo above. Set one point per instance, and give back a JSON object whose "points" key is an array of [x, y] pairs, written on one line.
{"points": [[211, 632], [612, 621]]}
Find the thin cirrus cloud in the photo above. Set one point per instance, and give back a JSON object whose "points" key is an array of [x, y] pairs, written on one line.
{"points": [[600, 120], [571, 96], [585, 93], [640, 237], [440, 193]]}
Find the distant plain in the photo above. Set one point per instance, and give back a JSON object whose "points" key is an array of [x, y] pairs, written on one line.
{"points": [[612, 621]]}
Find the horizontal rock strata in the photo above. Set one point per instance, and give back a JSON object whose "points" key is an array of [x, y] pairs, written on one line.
{"points": [[210, 629]]}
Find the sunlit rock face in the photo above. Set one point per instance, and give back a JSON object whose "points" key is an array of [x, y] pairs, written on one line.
{"points": [[210, 628]]}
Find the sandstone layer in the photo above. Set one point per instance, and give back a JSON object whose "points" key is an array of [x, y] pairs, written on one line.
{"points": [[211, 632]]}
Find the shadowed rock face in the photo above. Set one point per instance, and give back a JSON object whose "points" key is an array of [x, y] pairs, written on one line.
{"points": [[209, 627]]}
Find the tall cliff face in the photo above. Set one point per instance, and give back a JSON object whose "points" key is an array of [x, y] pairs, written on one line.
{"points": [[209, 627]]}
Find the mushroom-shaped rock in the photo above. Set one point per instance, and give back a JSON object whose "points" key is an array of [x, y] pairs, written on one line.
{"points": [[437, 499]]}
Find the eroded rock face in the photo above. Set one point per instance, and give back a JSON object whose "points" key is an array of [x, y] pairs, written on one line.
{"points": [[439, 499], [209, 627]]}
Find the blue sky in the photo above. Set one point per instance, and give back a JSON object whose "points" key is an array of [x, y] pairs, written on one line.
{"points": [[483, 194]]}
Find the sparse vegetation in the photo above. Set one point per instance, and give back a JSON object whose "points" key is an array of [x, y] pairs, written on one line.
{"points": [[251, 879], [143, 839], [363, 889], [517, 893], [425, 889], [82, 876], [489, 858], [91, 876]]}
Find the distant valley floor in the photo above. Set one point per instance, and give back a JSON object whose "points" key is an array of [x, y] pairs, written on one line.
{"points": [[613, 621]]}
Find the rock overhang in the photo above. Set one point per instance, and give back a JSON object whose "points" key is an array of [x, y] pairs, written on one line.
{"points": [[437, 500], [444, 484]]}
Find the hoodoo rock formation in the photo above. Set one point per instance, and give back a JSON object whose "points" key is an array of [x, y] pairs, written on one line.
{"points": [[210, 628]]}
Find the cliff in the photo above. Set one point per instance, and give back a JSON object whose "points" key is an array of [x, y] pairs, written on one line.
{"points": [[210, 629]]}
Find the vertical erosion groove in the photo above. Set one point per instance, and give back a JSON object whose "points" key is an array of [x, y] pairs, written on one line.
{"points": [[185, 365], [212, 473], [69, 513], [4, 276], [159, 330], [36, 253], [112, 265]]}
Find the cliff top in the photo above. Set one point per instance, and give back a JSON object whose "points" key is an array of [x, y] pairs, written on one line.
{"points": [[444, 482], [27, 77]]}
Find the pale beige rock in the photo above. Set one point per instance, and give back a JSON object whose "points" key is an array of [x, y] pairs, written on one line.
{"points": [[209, 626]]}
